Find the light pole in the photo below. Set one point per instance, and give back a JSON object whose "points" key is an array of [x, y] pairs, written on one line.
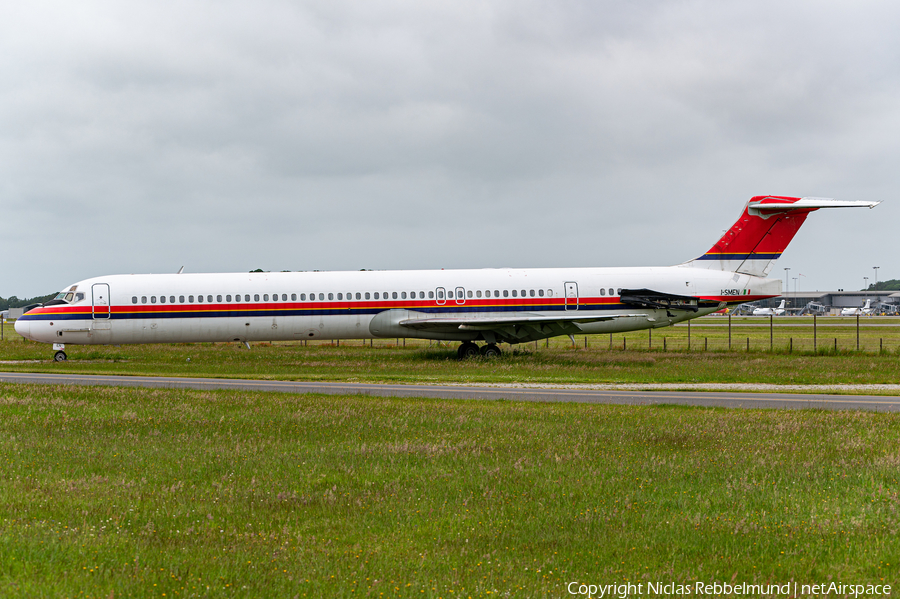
{"points": [[795, 287], [786, 285], [866, 285], [876, 274]]}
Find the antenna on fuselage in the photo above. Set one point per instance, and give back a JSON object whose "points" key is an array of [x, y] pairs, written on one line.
{"points": [[180, 270]]}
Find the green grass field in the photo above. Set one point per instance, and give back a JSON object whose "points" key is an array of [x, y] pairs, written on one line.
{"points": [[643, 361], [137, 493]]}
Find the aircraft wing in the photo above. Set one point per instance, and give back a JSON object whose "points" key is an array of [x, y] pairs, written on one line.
{"points": [[518, 328]]}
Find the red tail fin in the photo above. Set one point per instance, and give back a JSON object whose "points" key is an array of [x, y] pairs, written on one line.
{"points": [[763, 232]]}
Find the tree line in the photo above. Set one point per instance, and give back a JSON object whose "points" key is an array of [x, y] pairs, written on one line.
{"points": [[889, 285], [14, 302]]}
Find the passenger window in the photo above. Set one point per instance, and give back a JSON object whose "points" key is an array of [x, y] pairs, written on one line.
{"points": [[152, 299], [190, 299], [541, 292], [603, 292], [531, 292], [469, 294], [180, 299], [523, 293], [450, 295], [246, 297], [162, 299], [255, 297], [505, 293], [402, 295], [237, 298], [440, 295], [133, 299], [367, 295], [265, 297], [293, 297], [620, 291], [376, 296], [274, 297], [302, 297], [431, 295], [321, 297], [331, 296], [549, 293], [394, 295], [478, 294], [612, 292], [515, 293], [171, 299], [284, 297], [340, 296], [200, 299], [421, 295], [358, 295], [143, 299], [218, 298], [227, 298]]}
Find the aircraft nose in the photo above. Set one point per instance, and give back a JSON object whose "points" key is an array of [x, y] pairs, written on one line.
{"points": [[23, 327]]}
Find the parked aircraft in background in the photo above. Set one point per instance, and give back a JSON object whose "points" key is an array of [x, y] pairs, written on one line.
{"points": [[508, 305], [865, 310], [779, 311]]}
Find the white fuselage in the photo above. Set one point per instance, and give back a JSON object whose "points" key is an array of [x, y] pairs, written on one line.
{"points": [[123, 309]]}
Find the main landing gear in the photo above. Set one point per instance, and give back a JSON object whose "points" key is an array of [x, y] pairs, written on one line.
{"points": [[469, 350]]}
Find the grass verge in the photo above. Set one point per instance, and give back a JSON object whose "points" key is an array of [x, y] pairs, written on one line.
{"points": [[150, 493]]}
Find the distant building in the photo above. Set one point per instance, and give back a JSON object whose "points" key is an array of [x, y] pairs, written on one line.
{"points": [[833, 300]]}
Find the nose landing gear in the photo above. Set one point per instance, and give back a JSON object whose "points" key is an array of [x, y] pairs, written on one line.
{"points": [[469, 350], [60, 356]]}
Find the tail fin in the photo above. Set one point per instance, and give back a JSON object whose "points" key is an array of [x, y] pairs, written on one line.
{"points": [[781, 305], [763, 232]]}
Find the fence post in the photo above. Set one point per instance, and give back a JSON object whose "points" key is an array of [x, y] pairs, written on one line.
{"points": [[857, 332], [815, 336], [771, 333], [610, 341], [791, 346], [624, 345], [585, 342], [689, 335], [705, 343], [547, 344], [748, 343], [664, 344], [835, 345], [880, 345], [729, 330], [649, 338]]}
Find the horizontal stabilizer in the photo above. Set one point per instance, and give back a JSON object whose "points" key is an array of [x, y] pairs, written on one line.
{"points": [[763, 231]]}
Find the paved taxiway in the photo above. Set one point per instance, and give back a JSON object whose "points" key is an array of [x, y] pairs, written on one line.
{"points": [[635, 397]]}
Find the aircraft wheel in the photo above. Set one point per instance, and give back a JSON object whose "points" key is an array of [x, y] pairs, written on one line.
{"points": [[60, 356], [490, 351], [467, 350]]}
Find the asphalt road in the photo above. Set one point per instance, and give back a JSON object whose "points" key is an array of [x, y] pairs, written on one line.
{"points": [[692, 398]]}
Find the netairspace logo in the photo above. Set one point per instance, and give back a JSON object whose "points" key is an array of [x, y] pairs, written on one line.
{"points": [[721, 589]]}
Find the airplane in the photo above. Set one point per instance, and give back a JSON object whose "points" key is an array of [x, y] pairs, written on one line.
{"points": [[779, 311], [494, 305], [864, 311]]}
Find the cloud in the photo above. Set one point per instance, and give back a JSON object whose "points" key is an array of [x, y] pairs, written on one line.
{"points": [[332, 135]]}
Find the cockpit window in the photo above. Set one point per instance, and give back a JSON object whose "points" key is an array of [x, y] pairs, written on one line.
{"points": [[79, 296]]}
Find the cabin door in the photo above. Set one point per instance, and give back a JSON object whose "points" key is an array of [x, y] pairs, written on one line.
{"points": [[100, 301], [571, 296]]}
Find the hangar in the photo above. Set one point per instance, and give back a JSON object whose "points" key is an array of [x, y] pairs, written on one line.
{"points": [[833, 301]]}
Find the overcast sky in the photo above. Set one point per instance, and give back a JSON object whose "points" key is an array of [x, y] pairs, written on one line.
{"points": [[228, 136]]}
